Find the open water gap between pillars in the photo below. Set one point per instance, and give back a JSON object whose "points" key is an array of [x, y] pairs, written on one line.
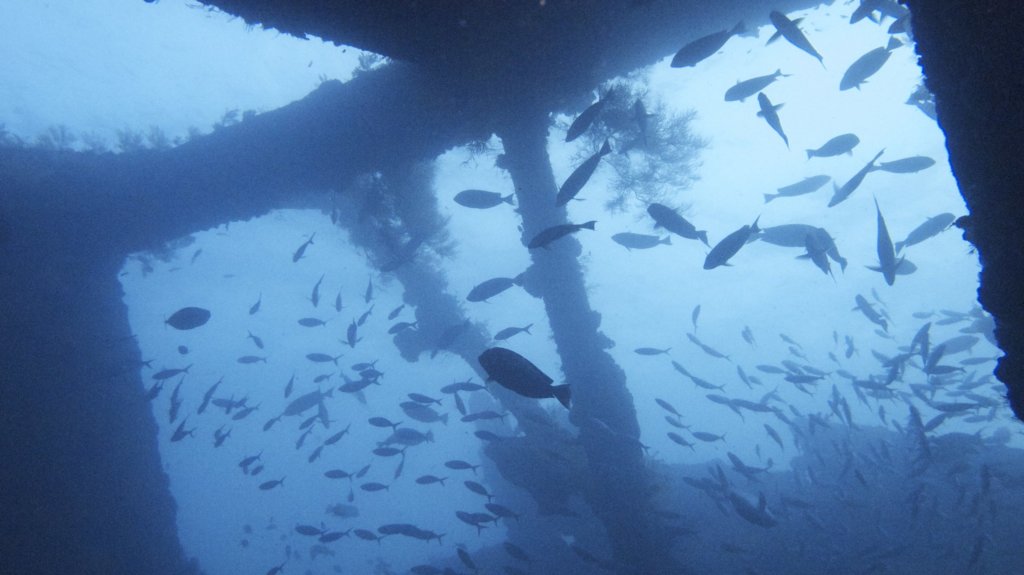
{"points": [[602, 407]]}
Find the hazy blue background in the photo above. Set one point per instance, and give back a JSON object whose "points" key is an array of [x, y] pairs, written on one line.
{"points": [[105, 65]]}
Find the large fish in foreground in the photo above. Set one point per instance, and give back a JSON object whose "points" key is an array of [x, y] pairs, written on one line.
{"points": [[586, 118], [808, 185], [482, 199], [579, 177], [791, 32], [841, 193], [865, 67], [670, 219], [841, 144], [887, 262], [553, 233], [705, 46], [933, 226], [514, 372], [770, 114], [730, 244], [747, 88]]}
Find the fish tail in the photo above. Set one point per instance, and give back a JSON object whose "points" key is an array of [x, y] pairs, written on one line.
{"points": [[769, 197], [739, 28], [563, 393], [703, 237], [667, 241], [589, 225], [810, 154], [606, 148], [527, 329], [510, 199]]}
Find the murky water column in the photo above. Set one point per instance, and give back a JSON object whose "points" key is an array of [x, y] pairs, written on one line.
{"points": [[602, 406]]}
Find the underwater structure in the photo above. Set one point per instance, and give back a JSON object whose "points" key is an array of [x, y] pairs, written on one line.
{"points": [[83, 488]]}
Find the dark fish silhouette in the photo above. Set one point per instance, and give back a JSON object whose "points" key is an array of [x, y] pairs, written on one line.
{"points": [[514, 372], [747, 88], [770, 114], [188, 318], [482, 199], [791, 32], [670, 219], [841, 144], [729, 246], [807, 185], [553, 233], [705, 46], [586, 119], [579, 177]]}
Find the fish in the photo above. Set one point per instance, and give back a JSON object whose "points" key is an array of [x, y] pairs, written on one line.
{"points": [[864, 306], [482, 199], [311, 322], [337, 302], [553, 233], [770, 114], [641, 116], [864, 67], [429, 479], [305, 402], [169, 373], [315, 296], [705, 47], [586, 118], [268, 485], [841, 144], [907, 165], [351, 334], [373, 486], [805, 186], [747, 88], [756, 514], [669, 219], [478, 489], [748, 336], [181, 433], [255, 339], [188, 318], [511, 331], [841, 193], [301, 251], [368, 294], [795, 236], [422, 413], [632, 241], [394, 313], [208, 396], [887, 262], [817, 252], [708, 437], [402, 326], [579, 177], [492, 287], [729, 246], [694, 316], [791, 32], [516, 373], [323, 358], [651, 351], [256, 306], [667, 407], [250, 359]]}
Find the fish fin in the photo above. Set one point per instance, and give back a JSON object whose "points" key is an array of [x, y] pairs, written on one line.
{"points": [[810, 154], [510, 199], [703, 237], [770, 197], [563, 393]]}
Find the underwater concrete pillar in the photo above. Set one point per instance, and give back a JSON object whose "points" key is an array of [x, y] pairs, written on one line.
{"points": [[82, 489], [617, 486]]}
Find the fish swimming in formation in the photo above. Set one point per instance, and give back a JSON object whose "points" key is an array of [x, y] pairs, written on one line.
{"points": [[669, 219], [516, 373], [586, 118], [705, 46], [805, 186], [841, 144], [887, 262], [188, 318], [791, 32], [632, 241], [909, 165], [747, 88], [553, 233], [770, 114], [841, 193], [729, 246], [933, 226], [482, 199], [579, 177]]}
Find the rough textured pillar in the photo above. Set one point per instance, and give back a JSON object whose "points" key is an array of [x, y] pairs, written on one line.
{"points": [[616, 488], [973, 61]]}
